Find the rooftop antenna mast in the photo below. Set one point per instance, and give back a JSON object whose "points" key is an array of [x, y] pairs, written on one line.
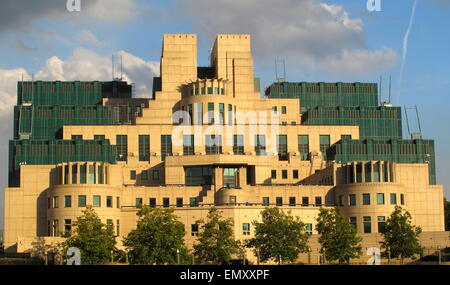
{"points": [[280, 79], [380, 90], [113, 67], [413, 135], [390, 81]]}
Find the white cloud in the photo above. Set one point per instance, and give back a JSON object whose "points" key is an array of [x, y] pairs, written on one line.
{"points": [[85, 36], [309, 33]]}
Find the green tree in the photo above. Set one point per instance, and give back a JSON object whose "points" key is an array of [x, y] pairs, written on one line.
{"points": [[338, 238], [216, 243], [157, 239], [400, 237], [447, 214], [94, 239], [279, 236]]}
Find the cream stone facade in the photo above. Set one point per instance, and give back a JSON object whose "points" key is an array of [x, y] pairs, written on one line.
{"points": [[241, 179]]}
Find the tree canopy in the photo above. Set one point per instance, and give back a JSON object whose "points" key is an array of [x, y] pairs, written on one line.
{"points": [[216, 242], [157, 239], [338, 237], [94, 239], [279, 236]]}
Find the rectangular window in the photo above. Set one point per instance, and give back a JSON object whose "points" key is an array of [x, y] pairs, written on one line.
{"points": [[210, 113], [368, 172], [260, 144], [188, 145], [213, 144], [190, 113], [266, 201], [352, 199], [152, 202], [109, 201], [67, 201], [216, 90], [282, 147], [82, 201], [56, 228], [273, 174], [198, 109], [144, 175], [402, 199], [380, 198], [74, 173], [245, 229], [295, 174], [122, 147], [275, 109], [279, 201], [230, 177], [284, 174], [83, 173], [210, 90], [99, 174], [367, 223], [118, 202], [91, 174], [56, 202], [303, 147], [198, 175], [376, 172], [324, 145], [366, 199], [133, 174], [138, 203], [393, 199], [381, 223], [179, 203], [283, 110], [155, 175], [193, 202], [292, 201], [194, 230], [221, 113], [67, 225], [166, 202], [238, 144], [99, 137], [144, 147], [305, 201], [97, 201], [341, 200], [66, 174], [309, 229], [352, 221], [318, 201], [49, 203], [166, 146], [230, 114]]}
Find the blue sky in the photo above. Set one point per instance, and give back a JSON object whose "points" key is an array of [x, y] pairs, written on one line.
{"points": [[324, 40]]}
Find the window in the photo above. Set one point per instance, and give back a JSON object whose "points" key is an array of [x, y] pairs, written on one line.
{"points": [[238, 144], [352, 199], [402, 199], [352, 221], [49, 229], [55, 228], [381, 223], [144, 147], [67, 225], [118, 202], [49, 203], [393, 199], [91, 174], [221, 113], [155, 174], [166, 146], [210, 90], [380, 199], [82, 201], [303, 147], [260, 144], [284, 174], [198, 175], [99, 137], [117, 227], [305, 201], [188, 145], [279, 201], [56, 202], [166, 202], [282, 147], [190, 119], [144, 175], [83, 173], [66, 174], [109, 201], [216, 90], [198, 108], [97, 201], [266, 201], [368, 172], [230, 177], [341, 200], [367, 223], [133, 174], [309, 229], [292, 201], [376, 172], [67, 201], [230, 114], [324, 145], [273, 174], [213, 144], [194, 230], [295, 174], [366, 199], [138, 203], [275, 109], [318, 201], [122, 147], [246, 229], [152, 202], [193, 202], [210, 113], [74, 173], [77, 137], [283, 110], [99, 174]]}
